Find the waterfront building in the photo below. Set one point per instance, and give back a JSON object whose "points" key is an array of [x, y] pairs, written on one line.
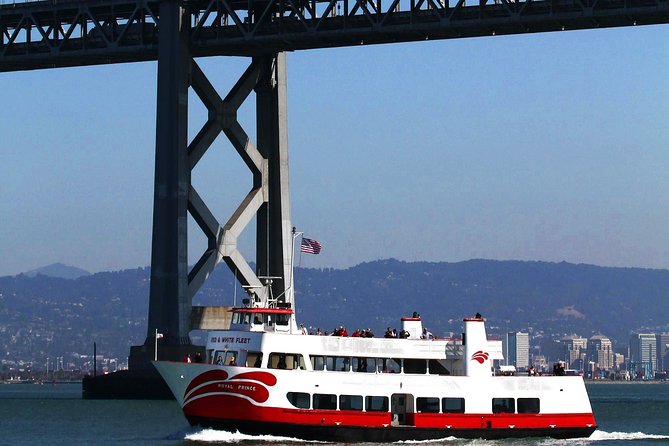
{"points": [[618, 361], [663, 352], [516, 347], [600, 352], [643, 354], [574, 348]]}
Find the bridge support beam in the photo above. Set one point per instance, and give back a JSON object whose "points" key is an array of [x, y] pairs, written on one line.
{"points": [[274, 240], [173, 286], [169, 302]]}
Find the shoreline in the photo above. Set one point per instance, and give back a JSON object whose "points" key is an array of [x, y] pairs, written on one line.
{"points": [[608, 381]]}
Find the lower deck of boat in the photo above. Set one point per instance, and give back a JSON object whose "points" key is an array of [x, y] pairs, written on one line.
{"points": [[381, 434]]}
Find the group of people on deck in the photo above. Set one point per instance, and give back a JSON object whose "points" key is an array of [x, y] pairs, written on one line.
{"points": [[358, 333], [342, 331]]}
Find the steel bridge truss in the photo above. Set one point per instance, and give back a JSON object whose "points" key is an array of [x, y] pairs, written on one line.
{"points": [[69, 33]]}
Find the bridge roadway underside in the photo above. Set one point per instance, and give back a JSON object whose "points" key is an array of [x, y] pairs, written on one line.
{"points": [[50, 34]]}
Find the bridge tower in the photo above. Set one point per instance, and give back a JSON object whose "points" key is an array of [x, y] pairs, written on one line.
{"points": [[173, 285]]}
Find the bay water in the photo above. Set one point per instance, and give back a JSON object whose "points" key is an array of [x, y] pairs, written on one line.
{"points": [[627, 414]]}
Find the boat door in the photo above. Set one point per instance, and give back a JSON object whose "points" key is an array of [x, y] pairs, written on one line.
{"points": [[400, 404]]}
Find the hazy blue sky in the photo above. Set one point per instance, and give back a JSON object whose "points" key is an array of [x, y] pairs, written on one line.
{"points": [[539, 147]]}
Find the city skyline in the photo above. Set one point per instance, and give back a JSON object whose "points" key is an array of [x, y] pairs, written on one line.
{"points": [[535, 147]]}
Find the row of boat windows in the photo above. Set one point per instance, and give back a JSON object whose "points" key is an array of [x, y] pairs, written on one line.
{"points": [[259, 319], [295, 361], [326, 401]]}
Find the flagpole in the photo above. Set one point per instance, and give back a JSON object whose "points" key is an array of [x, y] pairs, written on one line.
{"points": [[292, 265], [155, 349]]}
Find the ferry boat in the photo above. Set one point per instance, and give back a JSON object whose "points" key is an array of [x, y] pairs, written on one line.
{"points": [[265, 376]]}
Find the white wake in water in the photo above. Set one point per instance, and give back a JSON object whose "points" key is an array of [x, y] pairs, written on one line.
{"points": [[604, 437], [214, 436], [631, 436]]}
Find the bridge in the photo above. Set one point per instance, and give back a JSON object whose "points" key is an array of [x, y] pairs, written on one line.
{"points": [[57, 33], [51, 34]]}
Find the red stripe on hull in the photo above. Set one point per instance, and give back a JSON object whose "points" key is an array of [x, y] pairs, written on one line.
{"points": [[506, 421], [229, 407]]}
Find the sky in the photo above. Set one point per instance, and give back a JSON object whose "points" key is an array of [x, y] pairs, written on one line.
{"points": [[550, 147]]}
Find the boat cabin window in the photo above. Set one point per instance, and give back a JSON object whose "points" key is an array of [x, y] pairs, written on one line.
{"points": [[325, 401], [430, 404], [437, 368], [390, 365], [282, 319], [528, 405], [415, 366], [376, 403], [350, 402], [285, 361], [365, 365], [241, 318], [453, 405], [253, 359], [300, 400], [503, 405], [338, 363], [318, 362], [225, 357]]}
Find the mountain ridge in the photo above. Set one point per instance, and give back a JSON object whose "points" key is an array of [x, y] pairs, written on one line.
{"points": [[58, 270], [49, 316]]}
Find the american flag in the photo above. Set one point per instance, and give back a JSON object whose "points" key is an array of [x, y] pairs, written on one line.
{"points": [[310, 246]]}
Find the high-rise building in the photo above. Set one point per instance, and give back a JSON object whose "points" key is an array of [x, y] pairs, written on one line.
{"points": [[574, 351], [663, 352], [516, 346], [600, 352], [618, 361], [643, 354]]}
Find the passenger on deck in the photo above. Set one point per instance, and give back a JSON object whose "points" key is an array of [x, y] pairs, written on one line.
{"points": [[558, 369], [426, 334]]}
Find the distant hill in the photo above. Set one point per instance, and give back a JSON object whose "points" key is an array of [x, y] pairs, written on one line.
{"points": [[58, 270], [44, 316]]}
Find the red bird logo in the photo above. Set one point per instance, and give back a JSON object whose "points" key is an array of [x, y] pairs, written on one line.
{"points": [[480, 356]]}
